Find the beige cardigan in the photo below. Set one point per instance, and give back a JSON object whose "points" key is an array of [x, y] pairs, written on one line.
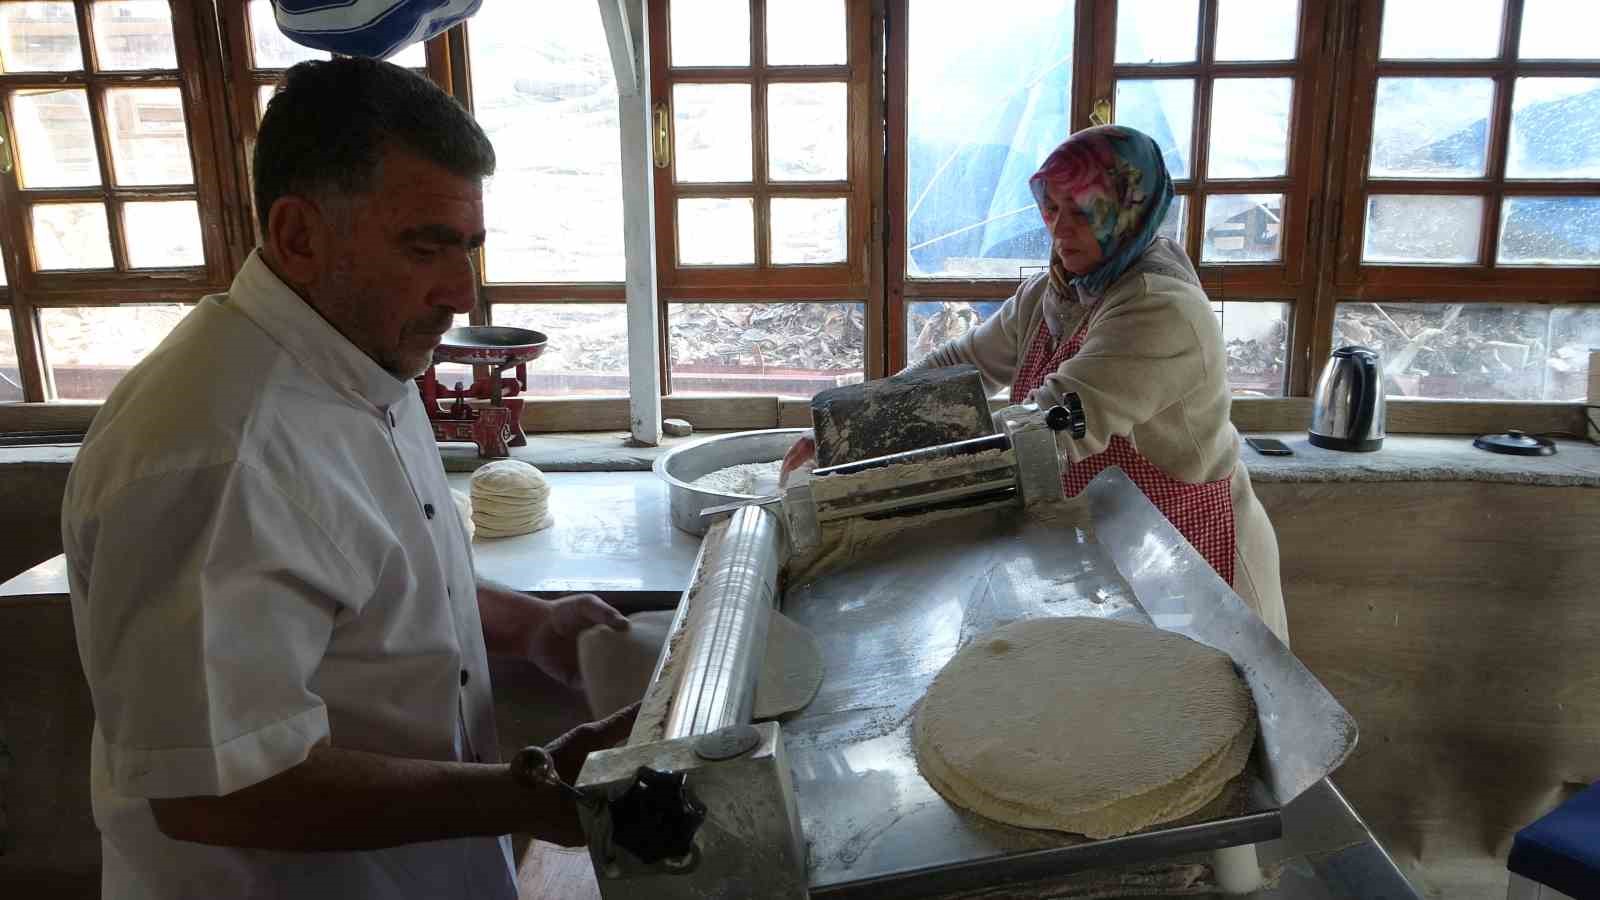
{"points": [[1152, 368]]}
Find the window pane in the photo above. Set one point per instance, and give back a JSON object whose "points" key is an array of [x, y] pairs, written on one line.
{"points": [[71, 236], [806, 138], [91, 348], [809, 231], [149, 143], [716, 231], [1175, 226], [793, 349], [270, 49], [412, 56], [1414, 29], [451, 374], [1422, 229], [544, 91], [39, 37], [55, 140], [1559, 29], [1257, 29], [987, 101], [163, 234], [930, 324], [1476, 351], [1163, 109], [710, 32], [1243, 228], [588, 349], [1431, 127], [10, 374], [1544, 141], [134, 34], [1250, 127], [1256, 337], [806, 33], [264, 94], [1157, 31], [711, 132], [1550, 231]]}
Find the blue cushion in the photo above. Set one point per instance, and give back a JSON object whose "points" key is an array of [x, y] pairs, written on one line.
{"points": [[1562, 850]]}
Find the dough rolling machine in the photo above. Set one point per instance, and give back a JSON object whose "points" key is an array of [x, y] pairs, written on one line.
{"points": [[893, 562]]}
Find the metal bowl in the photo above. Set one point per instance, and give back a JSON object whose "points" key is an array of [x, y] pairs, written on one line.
{"points": [[493, 345], [682, 465]]}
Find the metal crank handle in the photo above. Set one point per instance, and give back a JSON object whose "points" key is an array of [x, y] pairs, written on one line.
{"points": [[1068, 416], [534, 766]]}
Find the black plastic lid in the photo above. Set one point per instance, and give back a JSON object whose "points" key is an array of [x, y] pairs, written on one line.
{"points": [[1516, 443]]}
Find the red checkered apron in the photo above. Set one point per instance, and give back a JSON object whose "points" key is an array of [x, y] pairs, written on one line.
{"points": [[1202, 513]]}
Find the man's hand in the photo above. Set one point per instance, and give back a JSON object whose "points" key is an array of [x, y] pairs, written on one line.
{"points": [[552, 642], [569, 751]]}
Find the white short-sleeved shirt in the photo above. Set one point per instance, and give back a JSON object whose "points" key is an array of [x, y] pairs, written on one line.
{"points": [[264, 555]]}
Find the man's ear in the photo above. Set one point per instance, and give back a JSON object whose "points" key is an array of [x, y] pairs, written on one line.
{"points": [[297, 239]]}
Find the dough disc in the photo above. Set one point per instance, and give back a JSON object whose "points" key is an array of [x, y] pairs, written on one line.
{"points": [[1087, 725]]}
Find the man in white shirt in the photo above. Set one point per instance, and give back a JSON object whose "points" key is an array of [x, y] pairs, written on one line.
{"points": [[273, 595]]}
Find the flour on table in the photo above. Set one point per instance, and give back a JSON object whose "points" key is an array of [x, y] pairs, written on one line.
{"points": [[749, 479]]}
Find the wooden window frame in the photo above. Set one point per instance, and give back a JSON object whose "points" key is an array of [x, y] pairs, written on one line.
{"points": [[198, 79]]}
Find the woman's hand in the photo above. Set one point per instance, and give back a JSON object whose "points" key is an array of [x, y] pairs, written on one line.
{"points": [[803, 451]]}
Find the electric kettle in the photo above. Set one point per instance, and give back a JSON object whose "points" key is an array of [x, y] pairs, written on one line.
{"points": [[1347, 408]]}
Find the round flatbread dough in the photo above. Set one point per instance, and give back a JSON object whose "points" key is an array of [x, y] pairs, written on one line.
{"points": [[509, 498], [791, 669], [463, 510], [1087, 725]]}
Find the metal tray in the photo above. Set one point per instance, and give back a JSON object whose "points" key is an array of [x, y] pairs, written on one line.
{"points": [[682, 465]]}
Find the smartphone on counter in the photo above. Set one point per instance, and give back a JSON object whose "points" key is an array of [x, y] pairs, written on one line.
{"points": [[1269, 446]]}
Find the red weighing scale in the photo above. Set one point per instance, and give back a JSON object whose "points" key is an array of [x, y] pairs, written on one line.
{"points": [[497, 426]]}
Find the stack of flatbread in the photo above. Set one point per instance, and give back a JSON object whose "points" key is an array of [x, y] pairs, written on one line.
{"points": [[1087, 725], [509, 497]]}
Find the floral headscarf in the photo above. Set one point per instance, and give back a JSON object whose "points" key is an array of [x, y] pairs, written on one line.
{"points": [[1117, 177]]}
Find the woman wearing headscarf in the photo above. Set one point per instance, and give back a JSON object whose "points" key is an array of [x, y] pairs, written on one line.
{"points": [[1120, 320]]}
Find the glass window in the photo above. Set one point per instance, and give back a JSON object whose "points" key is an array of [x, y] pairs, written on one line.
{"points": [[54, 137], [806, 139], [544, 91], [809, 231], [716, 231], [1243, 228], [163, 234], [1559, 29], [588, 349], [1157, 31], [71, 236], [1250, 127], [791, 349], [270, 49], [411, 56], [1413, 29], [39, 37], [1250, 30], [1175, 226], [149, 141], [930, 324], [1432, 228], [1476, 351], [91, 348], [1431, 127], [987, 101], [134, 34], [10, 375], [1164, 109], [711, 132], [709, 32], [806, 33], [1547, 140], [1550, 231], [1255, 336]]}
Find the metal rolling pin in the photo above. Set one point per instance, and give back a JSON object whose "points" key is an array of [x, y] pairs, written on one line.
{"points": [[727, 632]]}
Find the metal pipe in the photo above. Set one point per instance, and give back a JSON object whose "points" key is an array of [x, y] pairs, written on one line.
{"points": [[727, 628]]}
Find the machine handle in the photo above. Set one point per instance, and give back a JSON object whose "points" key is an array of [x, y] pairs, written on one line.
{"points": [[1069, 417]]}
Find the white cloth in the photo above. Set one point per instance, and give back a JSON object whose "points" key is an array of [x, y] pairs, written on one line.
{"points": [[264, 555]]}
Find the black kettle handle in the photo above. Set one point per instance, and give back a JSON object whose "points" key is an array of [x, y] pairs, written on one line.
{"points": [[1367, 392]]}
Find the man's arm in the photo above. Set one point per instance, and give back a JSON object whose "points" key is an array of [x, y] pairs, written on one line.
{"points": [[353, 800], [543, 631]]}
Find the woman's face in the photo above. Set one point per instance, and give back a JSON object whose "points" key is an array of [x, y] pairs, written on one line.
{"points": [[1071, 232]]}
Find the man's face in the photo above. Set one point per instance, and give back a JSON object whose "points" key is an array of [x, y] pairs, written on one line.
{"points": [[400, 262]]}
